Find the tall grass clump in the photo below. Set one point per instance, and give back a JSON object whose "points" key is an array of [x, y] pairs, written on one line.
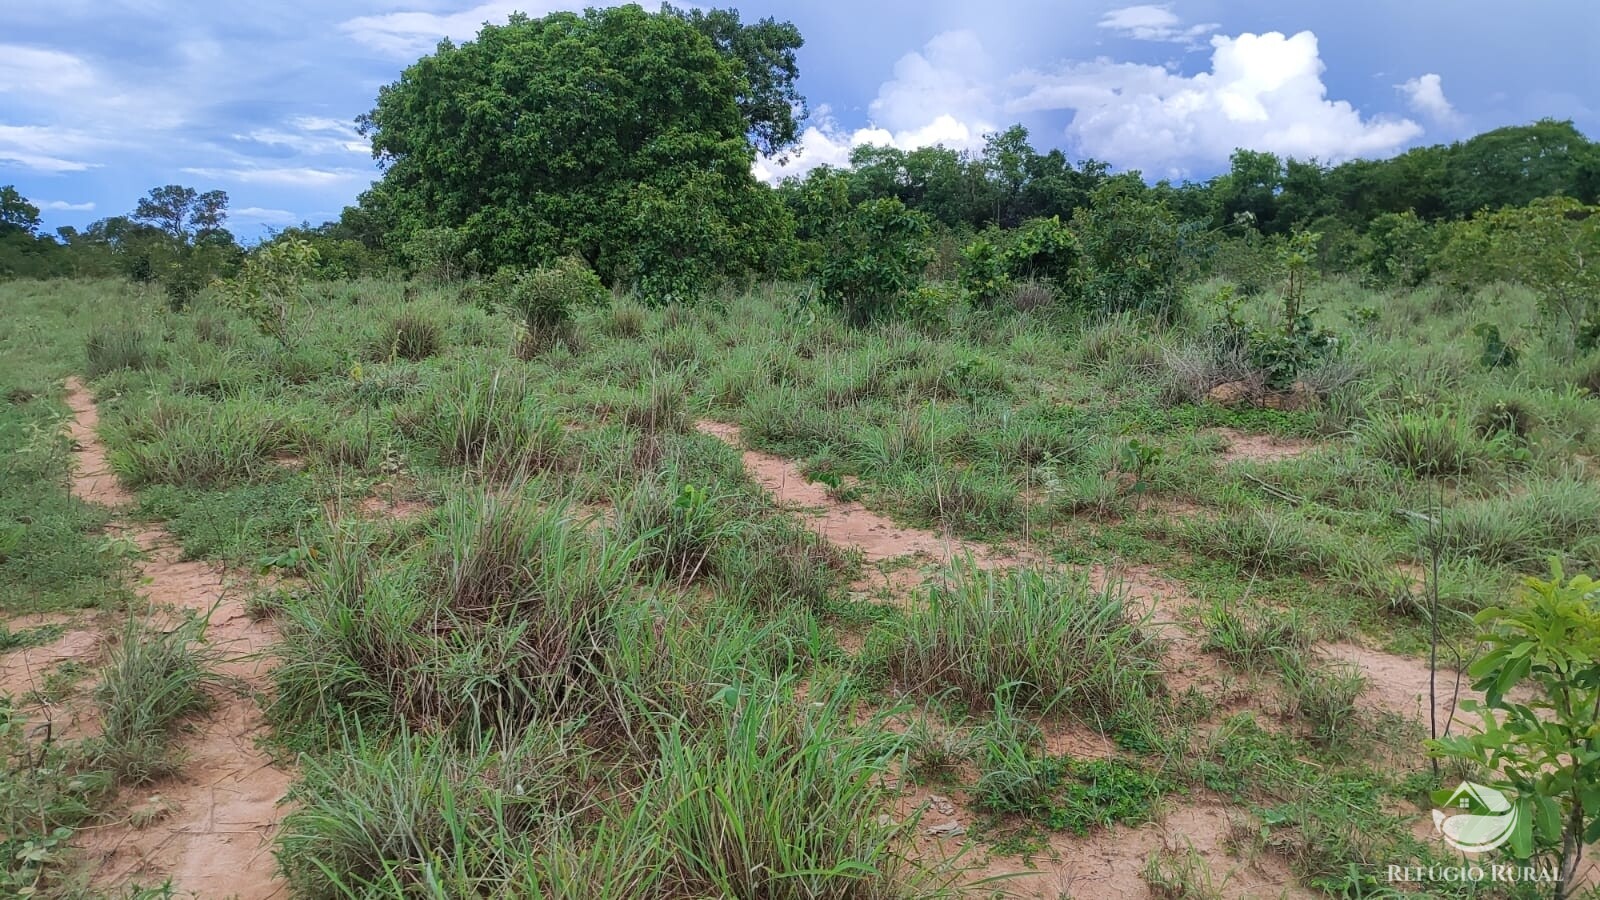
{"points": [[1429, 446], [504, 616], [781, 800], [776, 565], [527, 602], [1047, 638], [1556, 517], [491, 421], [966, 501], [1270, 543], [678, 525], [414, 815], [152, 681], [351, 641], [120, 345], [1253, 638], [411, 335], [200, 444]]}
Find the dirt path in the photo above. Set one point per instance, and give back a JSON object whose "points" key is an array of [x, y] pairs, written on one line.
{"points": [[1107, 863], [848, 523], [212, 826]]}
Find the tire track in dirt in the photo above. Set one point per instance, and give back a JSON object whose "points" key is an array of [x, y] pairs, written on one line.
{"points": [[847, 522], [1106, 863], [213, 824]]}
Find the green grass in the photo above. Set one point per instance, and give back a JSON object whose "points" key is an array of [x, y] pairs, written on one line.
{"points": [[151, 682], [604, 665], [1048, 640]]}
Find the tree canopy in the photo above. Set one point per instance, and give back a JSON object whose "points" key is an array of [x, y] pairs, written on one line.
{"points": [[597, 135]]}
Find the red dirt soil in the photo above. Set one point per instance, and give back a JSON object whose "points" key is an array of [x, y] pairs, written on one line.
{"points": [[215, 838]]}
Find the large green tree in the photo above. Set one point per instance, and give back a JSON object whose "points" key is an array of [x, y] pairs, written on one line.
{"points": [[763, 56], [595, 134]]}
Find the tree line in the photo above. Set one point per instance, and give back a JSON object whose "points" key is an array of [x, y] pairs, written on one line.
{"points": [[625, 139]]}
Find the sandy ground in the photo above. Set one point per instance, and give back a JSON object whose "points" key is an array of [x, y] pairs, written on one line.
{"points": [[212, 825]]}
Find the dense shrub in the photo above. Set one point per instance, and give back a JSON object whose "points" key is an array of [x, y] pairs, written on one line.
{"points": [[879, 254], [546, 297]]}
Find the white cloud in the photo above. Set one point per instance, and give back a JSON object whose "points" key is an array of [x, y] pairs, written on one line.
{"points": [[32, 70], [264, 216], [64, 206], [952, 76], [940, 95], [1150, 22], [1263, 92], [1425, 95], [289, 177], [414, 33], [310, 134], [46, 149]]}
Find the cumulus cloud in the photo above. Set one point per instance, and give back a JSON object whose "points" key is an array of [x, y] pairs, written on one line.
{"points": [[64, 206], [941, 95], [1152, 22], [414, 33], [1425, 95], [1263, 92]]}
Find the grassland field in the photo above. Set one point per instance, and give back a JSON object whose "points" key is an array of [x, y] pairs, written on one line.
{"points": [[738, 600]]}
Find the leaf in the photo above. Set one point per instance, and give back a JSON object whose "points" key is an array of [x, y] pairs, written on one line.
{"points": [[1548, 821], [1522, 831]]}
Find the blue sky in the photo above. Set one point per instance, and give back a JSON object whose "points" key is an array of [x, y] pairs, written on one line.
{"points": [[101, 100]]}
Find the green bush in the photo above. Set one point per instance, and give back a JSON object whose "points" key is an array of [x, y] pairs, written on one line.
{"points": [[1129, 250], [879, 253], [546, 297], [984, 275], [1044, 249]]}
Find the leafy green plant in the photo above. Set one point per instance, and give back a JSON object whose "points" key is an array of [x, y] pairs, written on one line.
{"points": [[1042, 248], [546, 297], [930, 303], [267, 289], [880, 251], [983, 271], [1137, 459], [1280, 354], [1129, 251], [1497, 353], [1062, 793], [45, 791], [1543, 742]]}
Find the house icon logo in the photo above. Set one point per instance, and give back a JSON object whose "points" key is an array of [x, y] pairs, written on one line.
{"points": [[1478, 819]]}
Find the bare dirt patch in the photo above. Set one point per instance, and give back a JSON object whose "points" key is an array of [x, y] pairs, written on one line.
{"points": [[395, 509], [24, 670], [1108, 862], [1260, 448], [1399, 684], [214, 834], [848, 523]]}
